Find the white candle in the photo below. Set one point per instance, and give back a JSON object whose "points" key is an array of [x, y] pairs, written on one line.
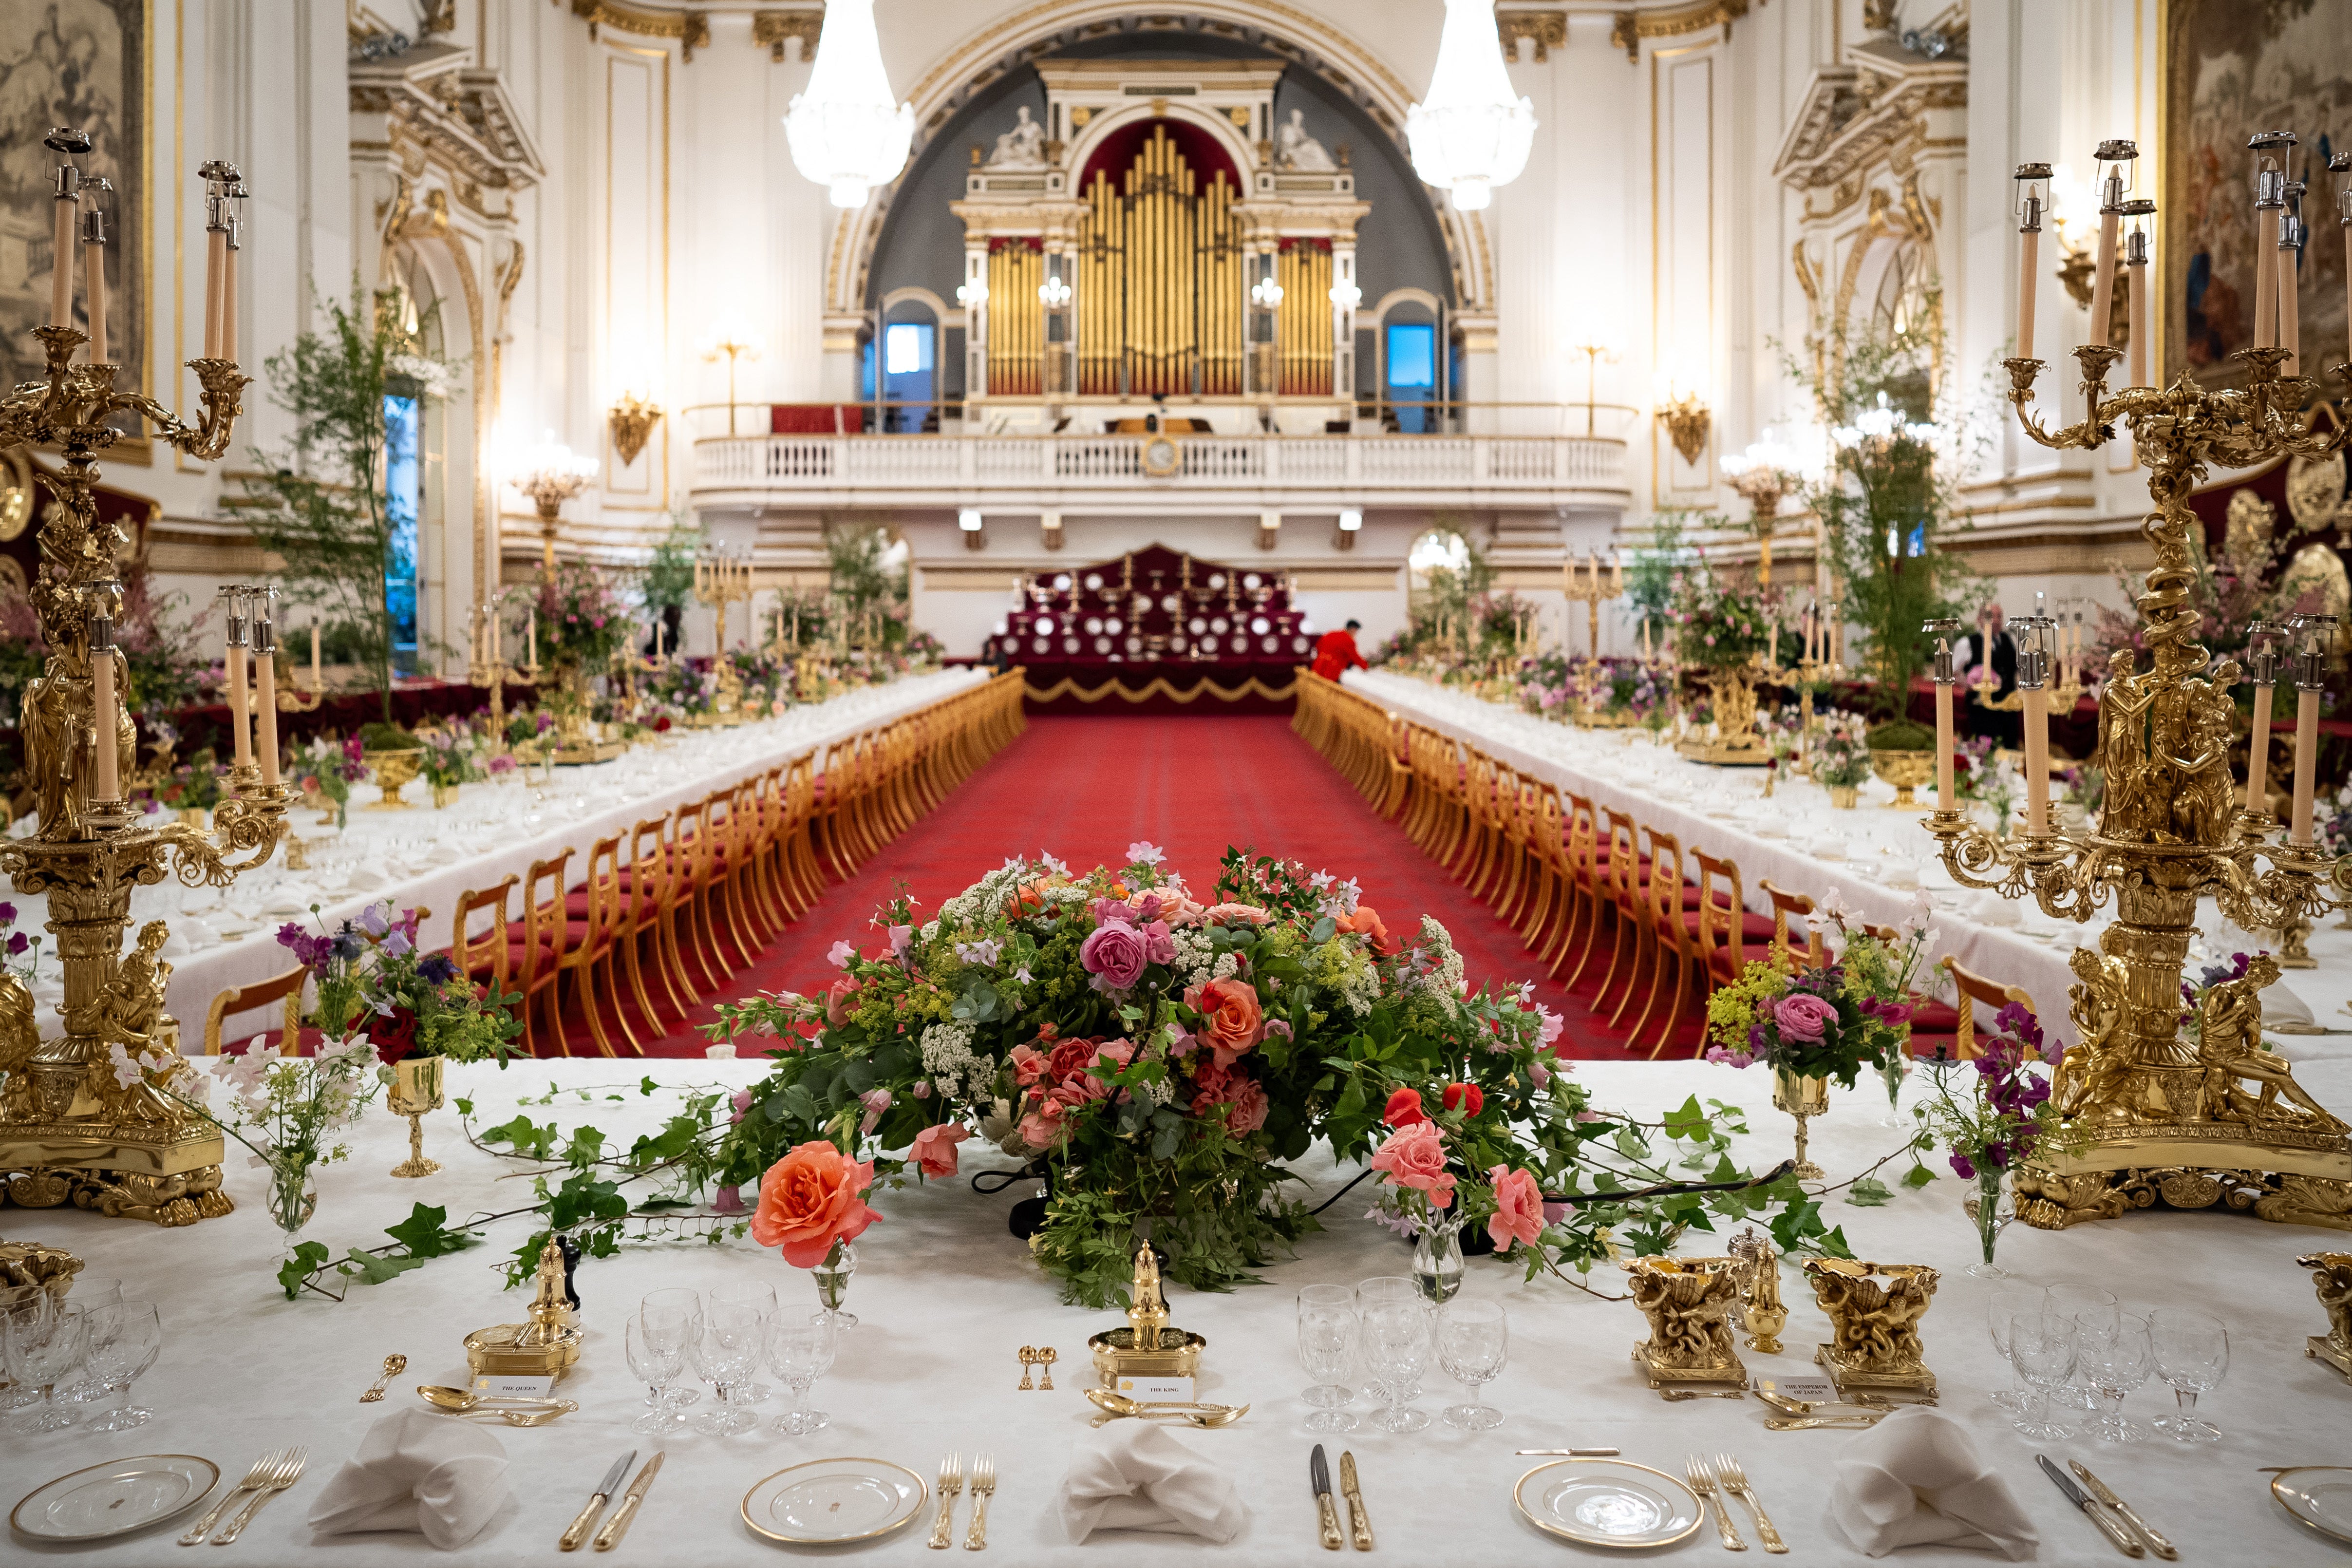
{"points": [[93, 258], [2258, 759], [2265, 276], [229, 299], [2137, 366], [2306, 761], [265, 698], [1943, 742], [2103, 285], [216, 247], [61, 236], [244, 747], [106, 781], [315, 686], [2290, 327], [2028, 247], [531, 638], [2037, 763]]}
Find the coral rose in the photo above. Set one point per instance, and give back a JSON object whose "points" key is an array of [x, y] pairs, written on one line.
{"points": [[1234, 914], [811, 1199], [1519, 1208], [935, 1147], [1466, 1097], [1803, 1018], [1248, 1107], [1366, 922], [1416, 1158], [837, 1000], [1231, 1020], [1029, 1065], [1403, 1109]]}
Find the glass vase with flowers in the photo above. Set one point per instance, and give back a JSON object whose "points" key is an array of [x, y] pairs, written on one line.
{"points": [[1989, 1114]]}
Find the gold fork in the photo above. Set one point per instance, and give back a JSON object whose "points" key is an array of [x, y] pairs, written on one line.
{"points": [[983, 1486], [284, 1476], [1702, 1482], [1734, 1476], [951, 1483], [263, 1468]]}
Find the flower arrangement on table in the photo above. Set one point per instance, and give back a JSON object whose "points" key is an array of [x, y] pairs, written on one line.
{"points": [[194, 785], [2333, 822], [1841, 759], [1829, 1022], [452, 757], [1980, 774], [1989, 1113], [1719, 627], [328, 768], [1156, 1056], [582, 623], [374, 983]]}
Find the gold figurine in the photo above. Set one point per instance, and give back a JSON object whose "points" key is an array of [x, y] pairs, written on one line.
{"points": [[1874, 1310], [1762, 1310], [1146, 1347], [2331, 1276], [546, 1346], [1689, 1302]]}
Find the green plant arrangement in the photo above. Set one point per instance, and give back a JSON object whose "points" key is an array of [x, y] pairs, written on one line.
{"points": [[1718, 625], [194, 785], [581, 622], [867, 589]]}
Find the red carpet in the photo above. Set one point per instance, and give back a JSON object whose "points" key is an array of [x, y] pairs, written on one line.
{"points": [[1085, 788]]}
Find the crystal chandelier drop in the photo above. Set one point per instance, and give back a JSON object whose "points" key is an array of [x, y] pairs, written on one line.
{"points": [[846, 133], [1470, 134]]}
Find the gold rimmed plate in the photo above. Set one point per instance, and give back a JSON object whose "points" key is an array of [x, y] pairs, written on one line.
{"points": [[2319, 1496], [114, 1499], [1608, 1502], [826, 1502]]}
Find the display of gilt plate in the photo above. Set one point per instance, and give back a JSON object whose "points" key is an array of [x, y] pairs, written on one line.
{"points": [[1608, 1502], [827, 1502]]}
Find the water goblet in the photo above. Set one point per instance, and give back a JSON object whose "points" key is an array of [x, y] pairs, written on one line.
{"points": [[2008, 1301], [757, 1293], [654, 1357], [1385, 1287], [1396, 1349], [800, 1353], [42, 1345], [2042, 1347], [124, 1339], [92, 1296], [733, 1336], [2115, 1358], [1329, 1330], [2191, 1352], [2084, 1303], [1473, 1341], [675, 1317]]}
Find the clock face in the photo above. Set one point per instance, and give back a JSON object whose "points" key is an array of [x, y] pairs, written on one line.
{"points": [[1161, 456]]}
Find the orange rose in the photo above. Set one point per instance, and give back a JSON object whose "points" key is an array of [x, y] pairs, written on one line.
{"points": [[1230, 1020], [809, 1200], [1366, 920]]}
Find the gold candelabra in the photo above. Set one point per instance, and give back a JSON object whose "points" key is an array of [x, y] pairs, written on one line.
{"points": [[85, 1116], [485, 660], [1592, 589], [2151, 1111], [551, 474], [722, 579]]}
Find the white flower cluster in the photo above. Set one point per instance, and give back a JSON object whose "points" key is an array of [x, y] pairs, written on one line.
{"points": [[1339, 897], [1159, 1091], [1228, 964], [930, 932], [983, 898], [1194, 954], [947, 1057], [1359, 988], [1067, 896], [1436, 967]]}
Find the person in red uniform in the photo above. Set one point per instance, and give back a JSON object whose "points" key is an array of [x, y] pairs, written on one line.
{"points": [[1336, 652]]}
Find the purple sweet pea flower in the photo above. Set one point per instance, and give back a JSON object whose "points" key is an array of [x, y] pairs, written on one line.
{"points": [[437, 969]]}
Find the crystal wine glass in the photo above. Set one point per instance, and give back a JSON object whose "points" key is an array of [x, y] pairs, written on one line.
{"points": [[733, 1336], [2090, 1306], [655, 1356], [2115, 1358], [91, 1296], [800, 1353], [2041, 1348], [15, 1395], [2192, 1353], [1329, 1330], [1372, 1293], [2009, 1301], [1396, 1349], [674, 1318], [1473, 1342], [124, 1339], [42, 1345], [757, 1293]]}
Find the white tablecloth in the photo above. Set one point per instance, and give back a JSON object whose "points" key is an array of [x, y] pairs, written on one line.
{"points": [[1872, 858], [947, 1297], [425, 859]]}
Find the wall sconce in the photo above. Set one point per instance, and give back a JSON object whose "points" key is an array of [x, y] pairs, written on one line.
{"points": [[1351, 523], [975, 534], [1049, 529], [1269, 530], [1687, 423], [634, 418]]}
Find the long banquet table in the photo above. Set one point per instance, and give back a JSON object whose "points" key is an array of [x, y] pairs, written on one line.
{"points": [[946, 1297], [1874, 859], [425, 859]]}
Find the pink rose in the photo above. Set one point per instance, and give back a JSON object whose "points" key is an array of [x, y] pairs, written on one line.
{"points": [[837, 1000], [1802, 1018], [935, 1147], [1248, 1107], [876, 1102], [1416, 1158], [1029, 1065], [1114, 952], [1519, 1208], [1236, 914]]}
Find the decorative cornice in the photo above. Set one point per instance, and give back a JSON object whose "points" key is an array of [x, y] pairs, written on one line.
{"points": [[774, 28], [438, 111], [1673, 21], [1547, 30], [1854, 117], [690, 29]]}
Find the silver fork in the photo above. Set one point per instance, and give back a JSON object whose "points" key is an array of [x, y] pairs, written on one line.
{"points": [[1734, 1476], [263, 1468], [983, 1486], [951, 1483], [284, 1476], [1702, 1482]]}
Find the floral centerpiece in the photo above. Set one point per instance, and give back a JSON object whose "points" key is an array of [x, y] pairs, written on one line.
{"points": [[1721, 630], [2334, 823], [452, 757], [374, 983], [582, 623], [1842, 764], [290, 1112], [194, 785], [329, 769], [1989, 1113]]}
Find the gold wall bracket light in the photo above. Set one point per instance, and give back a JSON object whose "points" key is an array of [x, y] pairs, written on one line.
{"points": [[1687, 422], [633, 418]]}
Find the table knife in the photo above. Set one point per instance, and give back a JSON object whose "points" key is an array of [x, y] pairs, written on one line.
{"points": [[1359, 1525], [610, 1536], [579, 1527], [2125, 1541], [2156, 1543], [1318, 1474], [1571, 1453]]}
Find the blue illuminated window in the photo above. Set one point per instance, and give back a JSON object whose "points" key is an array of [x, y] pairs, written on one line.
{"points": [[1413, 356], [402, 492]]}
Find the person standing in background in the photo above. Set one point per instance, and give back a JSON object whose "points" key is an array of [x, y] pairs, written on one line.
{"points": [[1334, 652], [1992, 643]]}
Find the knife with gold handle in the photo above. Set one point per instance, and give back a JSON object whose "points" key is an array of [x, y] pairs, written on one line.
{"points": [[2156, 1543], [581, 1526], [1319, 1474], [610, 1536], [1359, 1525]]}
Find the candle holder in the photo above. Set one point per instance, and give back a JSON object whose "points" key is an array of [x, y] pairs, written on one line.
{"points": [[70, 1130], [2149, 1111], [488, 666], [720, 580]]}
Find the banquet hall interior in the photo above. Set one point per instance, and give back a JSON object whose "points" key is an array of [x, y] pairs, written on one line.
{"points": [[709, 705]]}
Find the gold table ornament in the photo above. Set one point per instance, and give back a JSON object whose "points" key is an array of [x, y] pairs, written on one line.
{"points": [[69, 1129], [2331, 1278], [415, 1093], [1802, 1097], [1874, 1310], [1689, 1302], [1146, 1347], [546, 1346], [392, 771], [1762, 1311]]}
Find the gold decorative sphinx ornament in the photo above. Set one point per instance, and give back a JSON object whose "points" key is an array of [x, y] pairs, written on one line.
{"points": [[1146, 1347], [2331, 1278], [1874, 1310], [546, 1346], [1690, 1303], [70, 1128]]}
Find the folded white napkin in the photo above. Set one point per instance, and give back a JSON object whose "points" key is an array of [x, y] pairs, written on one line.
{"points": [[417, 1470], [1915, 1480], [1131, 1475], [1992, 909]]}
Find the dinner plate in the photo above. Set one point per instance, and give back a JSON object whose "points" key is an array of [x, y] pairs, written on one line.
{"points": [[827, 1502], [115, 1498], [2324, 1502], [1608, 1502]]}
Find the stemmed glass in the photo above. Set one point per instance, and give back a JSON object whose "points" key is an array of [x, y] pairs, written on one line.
{"points": [[2115, 1358], [124, 1339], [674, 1318], [2093, 1310], [2041, 1348], [1473, 1341], [41, 1343], [2008, 1302], [733, 1336], [1376, 1291], [92, 1296], [1329, 1330], [1396, 1349], [655, 1350], [755, 1293], [2192, 1354], [800, 1353]]}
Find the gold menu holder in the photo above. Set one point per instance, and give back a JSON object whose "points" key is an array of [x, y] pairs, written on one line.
{"points": [[1874, 1310], [1146, 1347], [546, 1346], [2331, 1276], [1689, 1302]]}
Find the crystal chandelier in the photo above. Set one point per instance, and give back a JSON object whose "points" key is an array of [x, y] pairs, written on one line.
{"points": [[846, 133], [1470, 134]]}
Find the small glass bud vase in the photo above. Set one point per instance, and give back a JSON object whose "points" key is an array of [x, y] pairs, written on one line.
{"points": [[1437, 1259], [831, 1278]]}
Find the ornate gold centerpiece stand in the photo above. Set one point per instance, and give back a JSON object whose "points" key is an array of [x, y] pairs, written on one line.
{"points": [[69, 1129], [1874, 1310], [1690, 1303], [1736, 744], [720, 580], [2203, 1115], [2331, 1276], [1146, 1347]]}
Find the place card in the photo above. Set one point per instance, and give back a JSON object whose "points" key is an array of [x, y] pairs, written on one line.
{"points": [[493, 1385], [1156, 1389], [1811, 1390]]}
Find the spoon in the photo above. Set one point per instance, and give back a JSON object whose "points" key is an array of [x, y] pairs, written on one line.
{"points": [[394, 1366], [1674, 1396], [463, 1399], [1206, 1419], [1121, 1404]]}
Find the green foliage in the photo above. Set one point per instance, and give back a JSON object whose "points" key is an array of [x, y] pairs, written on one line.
{"points": [[425, 1234], [382, 735], [1902, 735], [1650, 575], [667, 581]]}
